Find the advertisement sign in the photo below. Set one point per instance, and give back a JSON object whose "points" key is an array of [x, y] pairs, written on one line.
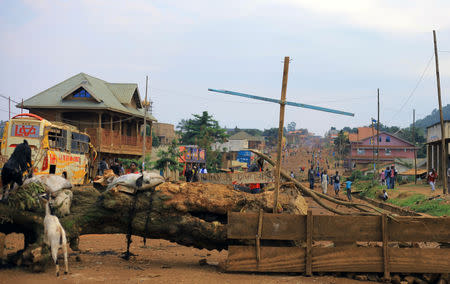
{"points": [[22, 130]]}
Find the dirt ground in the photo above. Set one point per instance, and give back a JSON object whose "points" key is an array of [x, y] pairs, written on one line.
{"points": [[160, 262]]}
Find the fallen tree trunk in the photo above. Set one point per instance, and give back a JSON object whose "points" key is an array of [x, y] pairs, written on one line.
{"points": [[190, 214]]}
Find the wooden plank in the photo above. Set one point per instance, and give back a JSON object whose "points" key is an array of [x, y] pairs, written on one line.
{"points": [[419, 229], [417, 260], [274, 226], [273, 259], [385, 233], [238, 178], [258, 236], [309, 236], [347, 228], [347, 259]]}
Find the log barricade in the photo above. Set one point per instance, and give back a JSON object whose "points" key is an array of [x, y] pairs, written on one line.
{"points": [[306, 257]]}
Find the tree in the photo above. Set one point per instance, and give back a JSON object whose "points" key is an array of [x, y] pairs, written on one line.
{"points": [[190, 214], [203, 130], [291, 126], [168, 160], [342, 145]]}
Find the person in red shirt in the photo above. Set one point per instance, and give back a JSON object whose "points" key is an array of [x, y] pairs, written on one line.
{"points": [[432, 176], [133, 168]]}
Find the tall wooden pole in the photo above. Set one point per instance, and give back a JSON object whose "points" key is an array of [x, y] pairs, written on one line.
{"points": [[378, 128], [373, 150], [280, 131], [9, 108], [145, 124], [414, 143], [443, 148]]}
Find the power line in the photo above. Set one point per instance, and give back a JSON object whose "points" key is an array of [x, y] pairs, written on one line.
{"points": [[415, 87]]}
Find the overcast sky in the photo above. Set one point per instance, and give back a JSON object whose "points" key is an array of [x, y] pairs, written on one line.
{"points": [[341, 52]]}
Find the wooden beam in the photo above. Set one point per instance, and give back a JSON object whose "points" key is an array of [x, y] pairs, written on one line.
{"points": [[258, 236], [309, 236], [280, 132], [385, 233], [237, 178]]}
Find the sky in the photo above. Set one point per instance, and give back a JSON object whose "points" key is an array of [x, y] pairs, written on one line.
{"points": [[341, 52]]}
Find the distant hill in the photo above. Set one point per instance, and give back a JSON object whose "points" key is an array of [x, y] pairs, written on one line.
{"points": [[433, 118]]}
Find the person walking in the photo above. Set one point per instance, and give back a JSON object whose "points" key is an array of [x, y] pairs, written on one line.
{"points": [[432, 176], [387, 175], [324, 182], [348, 187], [188, 173], [311, 176], [393, 176], [337, 183], [383, 178]]}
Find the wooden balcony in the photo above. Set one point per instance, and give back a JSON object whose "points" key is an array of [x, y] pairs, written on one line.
{"points": [[111, 141]]}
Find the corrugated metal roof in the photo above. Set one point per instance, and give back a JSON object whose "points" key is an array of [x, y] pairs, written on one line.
{"points": [[114, 97], [242, 135]]}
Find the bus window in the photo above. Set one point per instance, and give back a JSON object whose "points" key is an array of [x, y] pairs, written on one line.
{"points": [[57, 139], [80, 143]]}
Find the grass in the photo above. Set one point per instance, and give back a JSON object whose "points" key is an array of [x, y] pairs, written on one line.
{"points": [[421, 203], [416, 202]]}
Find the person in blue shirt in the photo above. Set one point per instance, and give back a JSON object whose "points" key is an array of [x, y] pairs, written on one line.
{"points": [[348, 187]]}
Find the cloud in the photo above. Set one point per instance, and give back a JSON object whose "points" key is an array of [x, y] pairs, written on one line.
{"points": [[382, 15]]}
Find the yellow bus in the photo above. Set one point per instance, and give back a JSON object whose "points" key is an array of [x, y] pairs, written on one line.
{"points": [[57, 148]]}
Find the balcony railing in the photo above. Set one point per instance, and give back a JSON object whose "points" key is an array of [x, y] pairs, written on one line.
{"points": [[112, 141]]}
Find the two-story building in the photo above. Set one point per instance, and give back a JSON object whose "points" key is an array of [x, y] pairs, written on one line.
{"points": [[363, 151], [111, 113]]}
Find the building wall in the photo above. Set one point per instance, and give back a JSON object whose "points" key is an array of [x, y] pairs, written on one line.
{"points": [[395, 153], [434, 132], [165, 131]]}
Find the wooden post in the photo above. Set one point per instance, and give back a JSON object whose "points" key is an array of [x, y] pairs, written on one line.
{"points": [[145, 123], [111, 129], [280, 131], [378, 129], [258, 237], [373, 150], [414, 143], [443, 150], [99, 131], [309, 231], [385, 232]]}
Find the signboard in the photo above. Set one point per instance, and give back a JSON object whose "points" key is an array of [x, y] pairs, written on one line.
{"points": [[192, 154], [23, 130], [238, 178]]}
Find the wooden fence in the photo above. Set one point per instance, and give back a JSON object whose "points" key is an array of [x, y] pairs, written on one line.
{"points": [[306, 229]]}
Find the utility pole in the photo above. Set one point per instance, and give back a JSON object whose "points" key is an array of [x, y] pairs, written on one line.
{"points": [[9, 108], [378, 128], [145, 124], [414, 143], [443, 147], [280, 131], [373, 150]]}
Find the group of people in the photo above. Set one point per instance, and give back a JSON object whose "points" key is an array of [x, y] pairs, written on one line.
{"points": [[388, 177], [117, 167], [334, 180], [192, 172]]}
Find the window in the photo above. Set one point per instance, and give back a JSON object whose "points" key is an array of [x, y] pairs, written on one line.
{"points": [[361, 151], [80, 143], [57, 139], [388, 139], [81, 93], [388, 152], [379, 139], [375, 151]]}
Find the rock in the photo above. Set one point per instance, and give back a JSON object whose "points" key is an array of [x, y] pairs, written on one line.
{"points": [[396, 279], [409, 279], [361, 277]]}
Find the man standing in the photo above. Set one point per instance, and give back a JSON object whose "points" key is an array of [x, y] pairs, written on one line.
{"points": [[337, 183], [432, 176], [311, 177], [387, 175], [393, 176]]}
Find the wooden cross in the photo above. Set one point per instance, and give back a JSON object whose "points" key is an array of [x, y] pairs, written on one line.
{"points": [[282, 103]]}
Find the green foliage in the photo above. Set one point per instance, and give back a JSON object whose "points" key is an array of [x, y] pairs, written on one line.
{"points": [[291, 126], [202, 130], [168, 159], [26, 197], [421, 203], [341, 145], [155, 140]]}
